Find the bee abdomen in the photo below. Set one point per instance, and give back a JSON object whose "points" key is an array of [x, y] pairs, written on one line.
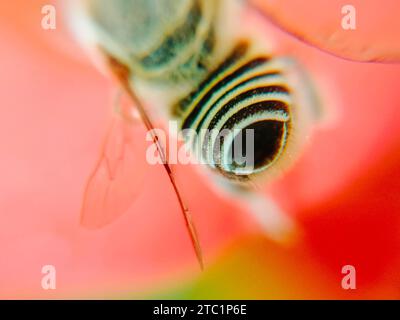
{"points": [[245, 92]]}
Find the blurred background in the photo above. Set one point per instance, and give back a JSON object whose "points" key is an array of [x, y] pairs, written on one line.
{"points": [[343, 192]]}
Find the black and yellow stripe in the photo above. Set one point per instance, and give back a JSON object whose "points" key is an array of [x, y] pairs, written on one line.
{"points": [[244, 92]]}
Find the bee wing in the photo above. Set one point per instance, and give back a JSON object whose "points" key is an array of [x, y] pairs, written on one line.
{"points": [[325, 25], [118, 176]]}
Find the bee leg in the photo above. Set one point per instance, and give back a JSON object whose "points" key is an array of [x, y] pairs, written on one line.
{"points": [[274, 221], [122, 74]]}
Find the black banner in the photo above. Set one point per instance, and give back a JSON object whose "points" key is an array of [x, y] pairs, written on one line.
{"points": [[203, 309]]}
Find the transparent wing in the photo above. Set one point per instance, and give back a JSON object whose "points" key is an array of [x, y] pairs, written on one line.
{"points": [[118, 176], [320, 23]]}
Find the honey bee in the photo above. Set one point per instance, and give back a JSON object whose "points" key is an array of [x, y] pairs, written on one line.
{"points": [[194, 62]]}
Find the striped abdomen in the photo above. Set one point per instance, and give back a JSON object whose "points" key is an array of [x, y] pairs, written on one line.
{"points": [[245, 100]]}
